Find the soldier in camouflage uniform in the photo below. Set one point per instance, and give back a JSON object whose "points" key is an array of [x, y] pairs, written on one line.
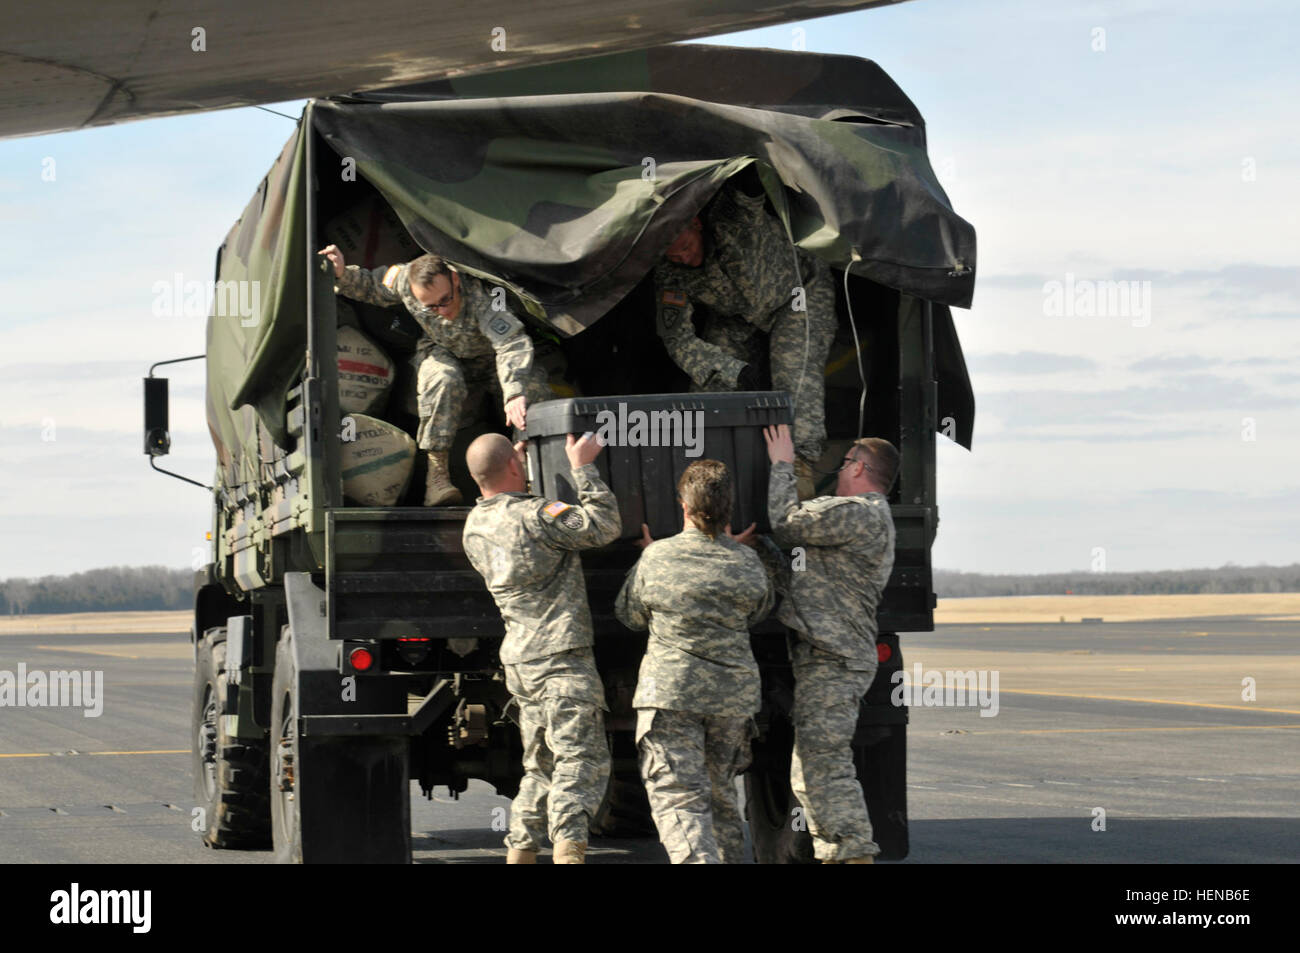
{"points": [[848, 552], [740, 265], [698, 593], [526, 550], [458, 356]]}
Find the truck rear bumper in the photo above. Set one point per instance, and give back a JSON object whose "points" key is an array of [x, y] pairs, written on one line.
{"points": [[433, 707]]}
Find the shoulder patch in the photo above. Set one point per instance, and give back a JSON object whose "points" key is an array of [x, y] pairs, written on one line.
{"points": [[572, 519], [499, 327], [826, 502], [556, 509], [390, 276], [675, 298]]}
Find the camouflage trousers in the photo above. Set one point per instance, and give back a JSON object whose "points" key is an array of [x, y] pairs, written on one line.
{"points": [[689, 764], [827, 692], [444, 386], [561, 718], [798, 343]]}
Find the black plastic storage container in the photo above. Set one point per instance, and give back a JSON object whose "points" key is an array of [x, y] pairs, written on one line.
{"points": [[654, 438]]}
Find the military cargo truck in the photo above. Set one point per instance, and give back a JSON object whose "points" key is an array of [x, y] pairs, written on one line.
{"points": [[343, 651]]}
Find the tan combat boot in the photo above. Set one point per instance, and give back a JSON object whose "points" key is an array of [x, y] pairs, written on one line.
{"points": [[569, 852], [805, 479], [516, 856], [860, 860], [438, 489]]}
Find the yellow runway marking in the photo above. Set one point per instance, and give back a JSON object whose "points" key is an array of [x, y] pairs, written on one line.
{"points": [[1051, 731], [1151, 701], [84, 651], [51, 754]]}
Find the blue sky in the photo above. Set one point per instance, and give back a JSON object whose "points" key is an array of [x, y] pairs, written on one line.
{"points": [[1161, 150]]}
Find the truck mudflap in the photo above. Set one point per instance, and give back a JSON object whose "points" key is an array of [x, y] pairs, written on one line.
{"points": [[334, 798]]}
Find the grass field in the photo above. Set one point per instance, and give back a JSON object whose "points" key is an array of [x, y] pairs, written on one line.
{"points": [[1279, 606], [1270, 605], [96, 623]]}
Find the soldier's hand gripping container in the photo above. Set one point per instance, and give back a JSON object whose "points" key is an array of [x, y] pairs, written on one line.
{"points": [[650, 439]]}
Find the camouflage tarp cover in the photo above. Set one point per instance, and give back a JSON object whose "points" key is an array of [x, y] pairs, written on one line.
{"points": [[566, 182], [254, 361], [571, 189]]}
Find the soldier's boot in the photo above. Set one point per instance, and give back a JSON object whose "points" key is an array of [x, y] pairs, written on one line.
{"points": [[859, 860], [516, 856], [569, 852], [438, 488], [805, 479]]}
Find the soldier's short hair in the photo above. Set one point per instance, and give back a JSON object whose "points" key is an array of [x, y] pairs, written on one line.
{"points": [[487, 457], [424, 269], [705, 488], [880, 455]]}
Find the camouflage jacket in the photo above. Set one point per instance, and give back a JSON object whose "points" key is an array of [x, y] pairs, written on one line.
{"points": [[698, 597], [748, 271], [478, 330], [847, 545], [526, 550]]}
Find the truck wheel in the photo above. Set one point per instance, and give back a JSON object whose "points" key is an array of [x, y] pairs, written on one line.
{"points": [[625, 812], [229, 773], [879, 754], [770, 809]]}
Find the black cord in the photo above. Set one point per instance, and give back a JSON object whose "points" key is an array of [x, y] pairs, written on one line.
{"points": [[274, 113]]}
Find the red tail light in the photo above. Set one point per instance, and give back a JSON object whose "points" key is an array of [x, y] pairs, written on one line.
{"points": [[361, 659], [883, 652]]}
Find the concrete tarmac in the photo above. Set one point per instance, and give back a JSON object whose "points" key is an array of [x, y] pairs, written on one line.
{"points": [[1175, 741]]}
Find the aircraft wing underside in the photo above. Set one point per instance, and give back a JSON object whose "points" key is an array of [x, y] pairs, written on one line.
{"points": [[71, 64]]}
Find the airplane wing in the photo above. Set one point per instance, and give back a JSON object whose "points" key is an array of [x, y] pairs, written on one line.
{"points": [[71, 64]]}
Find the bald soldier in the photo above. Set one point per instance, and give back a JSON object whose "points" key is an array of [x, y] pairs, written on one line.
{"points": [[698, 593], [739, 264], [526, 549], [466, 332], [830, 608]]}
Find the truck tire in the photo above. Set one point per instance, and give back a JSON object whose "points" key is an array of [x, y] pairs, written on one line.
{"points": [[333, 800], [230, 774], [770, 805], [625, 812], [880, 759]]}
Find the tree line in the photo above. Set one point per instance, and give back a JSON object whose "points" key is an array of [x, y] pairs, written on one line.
{"points": [[123, 588], [116, 589], [1226, 579]]}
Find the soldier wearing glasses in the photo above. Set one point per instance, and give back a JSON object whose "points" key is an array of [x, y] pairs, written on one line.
{"points": [[830, 608], [471, 342]]}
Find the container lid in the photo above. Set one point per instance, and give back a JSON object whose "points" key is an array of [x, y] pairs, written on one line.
{"points": [[734, 409]]}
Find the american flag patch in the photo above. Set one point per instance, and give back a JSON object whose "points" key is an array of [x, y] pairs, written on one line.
{"points": [[556, 508], [674, 298], [390, 276]]}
